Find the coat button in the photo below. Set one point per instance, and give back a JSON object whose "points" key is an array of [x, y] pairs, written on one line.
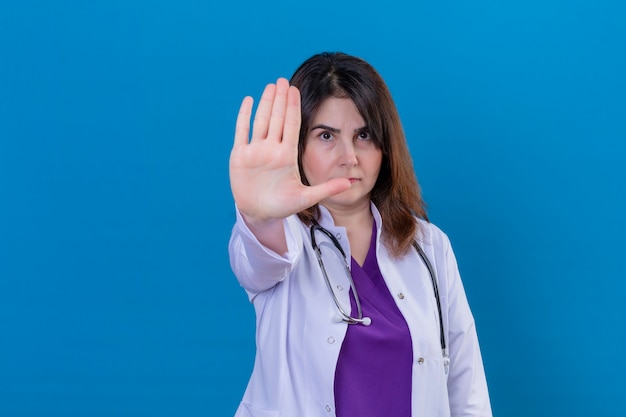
{"points": [[330, 340], [401, 296], [420, 361], [328, 408]]}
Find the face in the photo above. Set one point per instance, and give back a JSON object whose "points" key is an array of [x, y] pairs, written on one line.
{"points": [[339, 145]]}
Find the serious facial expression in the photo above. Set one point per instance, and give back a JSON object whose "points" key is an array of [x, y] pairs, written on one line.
{"points": [[339, 145]]}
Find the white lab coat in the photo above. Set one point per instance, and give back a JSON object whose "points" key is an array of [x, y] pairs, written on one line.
{"points": [[298, 341]]}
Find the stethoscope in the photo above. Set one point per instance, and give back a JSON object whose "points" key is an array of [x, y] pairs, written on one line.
{"points": [[344, 316]]}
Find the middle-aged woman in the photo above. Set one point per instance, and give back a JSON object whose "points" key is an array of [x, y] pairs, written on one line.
{"points": [[360, 307]]}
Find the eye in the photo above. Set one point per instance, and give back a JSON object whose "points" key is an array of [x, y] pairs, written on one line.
{"points": [[365, 136], [326, 136]]}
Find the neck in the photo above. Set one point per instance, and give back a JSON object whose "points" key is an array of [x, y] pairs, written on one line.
{"points": [[353, 218], [358, 224]]}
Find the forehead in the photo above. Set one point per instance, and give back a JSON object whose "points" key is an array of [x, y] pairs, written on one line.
{"points": [[338, 110]]}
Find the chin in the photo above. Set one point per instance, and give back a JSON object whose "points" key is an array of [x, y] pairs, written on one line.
{"points": [[345, 199]]}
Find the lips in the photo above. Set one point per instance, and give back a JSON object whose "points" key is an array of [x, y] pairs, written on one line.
{"points": [[353, 180]]}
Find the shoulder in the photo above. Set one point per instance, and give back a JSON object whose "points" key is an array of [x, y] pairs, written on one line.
{"points": [[430, 234]]}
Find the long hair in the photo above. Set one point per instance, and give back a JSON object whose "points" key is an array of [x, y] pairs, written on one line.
{"points": [[396, 193]]}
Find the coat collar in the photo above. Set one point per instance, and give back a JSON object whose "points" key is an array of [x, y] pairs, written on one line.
{"points": [[327, 222]]}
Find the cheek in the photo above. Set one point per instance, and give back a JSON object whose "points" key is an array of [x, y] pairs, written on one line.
{"points": [[376, 162], [316, 167], [308, 166]]}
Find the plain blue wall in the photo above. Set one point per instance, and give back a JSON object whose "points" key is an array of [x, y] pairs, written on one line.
{"points": [[116, 121]]}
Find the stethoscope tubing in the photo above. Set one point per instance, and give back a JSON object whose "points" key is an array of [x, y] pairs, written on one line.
{"points": [[433, 278], [346, 317]]}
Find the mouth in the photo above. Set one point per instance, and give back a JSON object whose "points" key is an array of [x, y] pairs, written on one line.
{"points": [[353, 180]]}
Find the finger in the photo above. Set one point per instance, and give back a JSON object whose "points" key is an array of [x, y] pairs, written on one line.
{"points": [[242, 126], [279, 108], [263, 113], [316, 193], [291, 132]]}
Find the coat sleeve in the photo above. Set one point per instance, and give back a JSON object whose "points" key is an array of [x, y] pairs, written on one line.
{"points": [[256, 267], [467, 385]]}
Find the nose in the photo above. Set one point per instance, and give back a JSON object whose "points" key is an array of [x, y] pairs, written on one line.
{"points": [[348, 152]]}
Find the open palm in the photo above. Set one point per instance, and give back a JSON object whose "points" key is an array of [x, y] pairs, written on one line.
{"points": [[264, 176]]}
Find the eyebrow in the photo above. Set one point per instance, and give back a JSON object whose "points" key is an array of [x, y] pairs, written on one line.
{"points": [[334, 129]]}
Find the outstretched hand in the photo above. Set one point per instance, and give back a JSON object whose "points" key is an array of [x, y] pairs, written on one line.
{"points": [[264, 176]]}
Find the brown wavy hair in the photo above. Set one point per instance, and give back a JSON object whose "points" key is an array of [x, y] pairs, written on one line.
{"points": [[396, 193]]}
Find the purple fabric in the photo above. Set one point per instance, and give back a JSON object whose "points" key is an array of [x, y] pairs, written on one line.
{"points": [[373, 374]]}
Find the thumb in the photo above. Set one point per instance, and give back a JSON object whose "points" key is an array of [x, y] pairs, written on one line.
{"points": [[316, 193]]}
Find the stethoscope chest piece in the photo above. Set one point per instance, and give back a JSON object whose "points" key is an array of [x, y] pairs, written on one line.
{"points": [[342, 314], [345, 316]]}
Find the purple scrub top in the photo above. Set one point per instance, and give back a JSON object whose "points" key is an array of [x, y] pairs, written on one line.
{"points": [[373, 374]]}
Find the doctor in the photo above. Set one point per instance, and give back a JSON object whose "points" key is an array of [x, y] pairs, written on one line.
{"points": [[360, 308]]}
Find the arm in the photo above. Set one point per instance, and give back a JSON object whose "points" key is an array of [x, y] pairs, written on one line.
{"points": [[264, 176], [256, 266], [267, 188], [467, 385]]}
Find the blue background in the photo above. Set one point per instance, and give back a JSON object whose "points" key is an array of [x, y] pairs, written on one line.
{"points": [[116, 122]]}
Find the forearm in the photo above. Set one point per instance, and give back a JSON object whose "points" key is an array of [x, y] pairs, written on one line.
{"points": [[270, 233], [256, 266]]}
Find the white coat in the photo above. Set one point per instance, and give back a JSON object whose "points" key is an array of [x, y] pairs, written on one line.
{"points": [[298, 341]]}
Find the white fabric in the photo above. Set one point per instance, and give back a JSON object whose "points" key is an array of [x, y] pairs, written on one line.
{"points": [[298, 341]]}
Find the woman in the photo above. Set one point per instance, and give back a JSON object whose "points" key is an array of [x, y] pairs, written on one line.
{"points": [[328, 243]]}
